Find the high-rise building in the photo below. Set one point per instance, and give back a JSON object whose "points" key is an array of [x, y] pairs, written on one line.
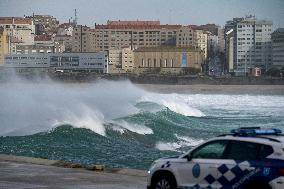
{"points": [[221, 40], [83, 39], [118, 34], [229, 53], [201, 38], [252, 44], [278, 48]]}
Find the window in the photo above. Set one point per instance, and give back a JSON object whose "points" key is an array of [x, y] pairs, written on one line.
{"points": [[239, 150], [211, 150], [166, 63], [264, 151]]}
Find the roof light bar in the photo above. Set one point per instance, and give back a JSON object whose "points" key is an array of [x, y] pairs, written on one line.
{"points": [[255, 131]]}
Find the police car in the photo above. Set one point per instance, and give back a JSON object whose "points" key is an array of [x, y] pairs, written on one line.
{"points": [[247, 158]]}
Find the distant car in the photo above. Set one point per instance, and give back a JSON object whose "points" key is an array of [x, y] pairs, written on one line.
{"points": [[59, 71], [247, 158]]}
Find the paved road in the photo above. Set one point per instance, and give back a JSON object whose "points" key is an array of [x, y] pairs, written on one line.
{"points": [[23, 175]]}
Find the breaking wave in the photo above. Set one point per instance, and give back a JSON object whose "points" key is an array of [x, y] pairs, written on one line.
{"points": [[93, 123]]}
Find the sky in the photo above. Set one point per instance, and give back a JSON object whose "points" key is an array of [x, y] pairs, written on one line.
{"points": [[183, 12]]}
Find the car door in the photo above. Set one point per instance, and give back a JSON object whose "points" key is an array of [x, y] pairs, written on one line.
{"points": [[239, 164], [200, 170]]}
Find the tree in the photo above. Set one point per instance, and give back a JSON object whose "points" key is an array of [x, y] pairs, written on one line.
{"points": [[274, 72]]}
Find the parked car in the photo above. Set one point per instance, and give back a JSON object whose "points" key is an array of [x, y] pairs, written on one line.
{"points": [[247, 158]]}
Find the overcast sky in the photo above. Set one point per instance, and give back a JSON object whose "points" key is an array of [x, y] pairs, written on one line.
{"points": [[167, 11]]}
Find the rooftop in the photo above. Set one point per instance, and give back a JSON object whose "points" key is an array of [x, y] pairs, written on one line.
{"points": [[167, 49], [133, 23], [42, 38], [279, 30], [137, 27], [15, 20]]}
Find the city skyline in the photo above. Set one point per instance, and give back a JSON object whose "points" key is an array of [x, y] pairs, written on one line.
{"points": [[168, 12]]}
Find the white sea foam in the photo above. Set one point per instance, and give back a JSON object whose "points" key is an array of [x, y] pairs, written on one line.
{"points": [[183, 141], [174, 102], [167, 146], [29, 107], [122, 125], [242, 105], [90, 119]]}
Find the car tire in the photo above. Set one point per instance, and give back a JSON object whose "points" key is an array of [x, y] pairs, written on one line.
{"points": [[164, 182], [257, 186]]}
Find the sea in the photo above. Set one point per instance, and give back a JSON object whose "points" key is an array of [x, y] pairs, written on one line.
{"points": [[119, 124]]}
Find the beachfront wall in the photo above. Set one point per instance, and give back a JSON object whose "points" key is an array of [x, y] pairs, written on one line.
{"points": [[167, 60]]}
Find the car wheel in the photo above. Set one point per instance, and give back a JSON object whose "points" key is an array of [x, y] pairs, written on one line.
{"points": [[257, 186], [164, 182]]}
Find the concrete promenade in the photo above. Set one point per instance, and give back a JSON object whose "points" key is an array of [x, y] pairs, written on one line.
{"points": [[20, 172]]}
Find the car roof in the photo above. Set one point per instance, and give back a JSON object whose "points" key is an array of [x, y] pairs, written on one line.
{"points": [[273, 140]]}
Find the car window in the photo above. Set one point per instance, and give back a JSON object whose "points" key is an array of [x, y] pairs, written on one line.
{"points": [[211, 150], [265, 151], [240, 150]]}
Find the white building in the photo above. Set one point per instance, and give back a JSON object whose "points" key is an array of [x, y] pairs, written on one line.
{"points": [[19, 30], [65, 62], [252, 45], [201, 39], [230, 50]]}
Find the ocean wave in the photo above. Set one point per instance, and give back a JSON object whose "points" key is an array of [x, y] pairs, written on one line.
{"points": [[122, 125], [88, 118], [183, 141], [175, 102]]}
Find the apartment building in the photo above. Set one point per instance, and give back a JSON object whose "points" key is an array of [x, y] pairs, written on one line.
{"points": [[83, 39], [186, 37], [44, 24], [212, 28], [42, 44], [252, 45], [278, 48], [120, 60], [201, 38], [221, 39], [118, 34], [229, 53], [4, 44], [65, 29], [19, 30], [64, 40], [167, 60]]}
